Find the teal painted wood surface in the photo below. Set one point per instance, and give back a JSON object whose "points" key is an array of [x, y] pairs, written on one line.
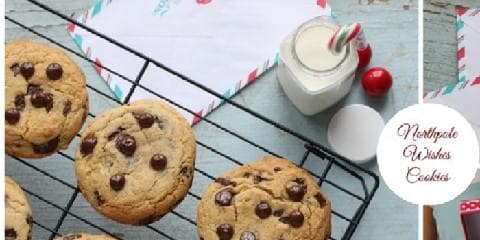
{"points": [[391, 27], [440, 42]]}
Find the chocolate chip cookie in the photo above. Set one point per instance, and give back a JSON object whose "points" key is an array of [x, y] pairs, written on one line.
{"points": [[18, 215], [46, 99], [83, 236], [269, 199], [135, 163]]}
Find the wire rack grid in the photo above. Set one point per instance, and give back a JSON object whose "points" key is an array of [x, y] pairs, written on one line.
{"points": [[367, 181]]}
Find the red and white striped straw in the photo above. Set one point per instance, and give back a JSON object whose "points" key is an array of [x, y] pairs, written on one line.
{"points": [[343, 36]]}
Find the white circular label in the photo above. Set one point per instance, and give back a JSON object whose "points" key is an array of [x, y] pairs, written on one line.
{"points": [[428, 154]]}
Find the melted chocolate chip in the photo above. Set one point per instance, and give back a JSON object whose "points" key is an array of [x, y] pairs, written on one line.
{"points": [[225, 231], [247, 175], [263, 210], [31, 88], [47, 147], [296, 192], [27, 69], [126, 144], [88, 144], [145, 120], [10, 234], [42, 99], [247, 236], [224, 197], [321, 200], [19, 102], [15, 69], [54, 71], [277, 169], [98, 197], [67, 107], [117, 182], [278, 212], [158, 162], [225, 182], [294, 219], [12, 115]]}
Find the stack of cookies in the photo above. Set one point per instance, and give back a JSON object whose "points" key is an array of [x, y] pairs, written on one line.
{"points": [[135, 163]]}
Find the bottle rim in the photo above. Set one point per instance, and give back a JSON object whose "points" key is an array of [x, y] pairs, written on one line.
{"points": [[315, 22]]}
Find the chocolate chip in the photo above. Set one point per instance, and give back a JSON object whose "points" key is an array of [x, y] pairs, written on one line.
{"points": [[224, 197], [278, 212], [10, 234], [27, 69], [20, 102], [225, 231], [321, 200], [67, 107], [47, 147], [277, 169], [88, 144], [98, 197], [247, 175], [294, 219], [42, 99], [31, 88], [225, 182], [247, 236], [145, 120], [263, 210], [54, 71], [15, 69], [12, 115], [158, 162], [296, 192], [117, 182], [126, 144]]}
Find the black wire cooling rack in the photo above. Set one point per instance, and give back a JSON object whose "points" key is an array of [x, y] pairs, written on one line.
{"points": [[367, 180]]}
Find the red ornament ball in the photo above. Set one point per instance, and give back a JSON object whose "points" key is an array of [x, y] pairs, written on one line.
{"points": [[364, 57], [377, 81]]}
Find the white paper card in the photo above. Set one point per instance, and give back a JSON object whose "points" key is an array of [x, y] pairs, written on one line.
{"points": [[224, 45]]}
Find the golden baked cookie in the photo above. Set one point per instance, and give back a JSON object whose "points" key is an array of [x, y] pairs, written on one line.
{"points": [[18, 215], [46, 99], [135, 163], [269, 199]]}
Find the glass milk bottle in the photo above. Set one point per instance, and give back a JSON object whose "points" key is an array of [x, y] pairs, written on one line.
{"points": [[313, 77]]}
